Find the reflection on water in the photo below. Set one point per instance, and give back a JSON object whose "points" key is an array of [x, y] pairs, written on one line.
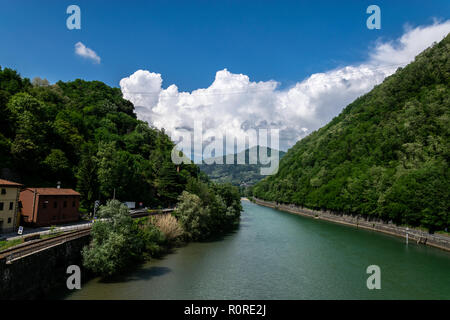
{"points": [[276, 255]]}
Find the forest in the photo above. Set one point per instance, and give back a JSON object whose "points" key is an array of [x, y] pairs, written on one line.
{"points": [[384, 157], [86, 136]]}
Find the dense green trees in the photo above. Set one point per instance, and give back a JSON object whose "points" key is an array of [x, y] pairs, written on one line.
{"points": [[118, 240], [384, 157], [115, 241], [85, 135], [207, 209]]}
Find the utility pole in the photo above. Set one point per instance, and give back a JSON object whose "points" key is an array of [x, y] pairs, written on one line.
{"points": [[407, 235]]}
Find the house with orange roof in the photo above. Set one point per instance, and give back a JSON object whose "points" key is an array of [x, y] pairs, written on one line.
{"points": [[49, 206], [9, 205]]}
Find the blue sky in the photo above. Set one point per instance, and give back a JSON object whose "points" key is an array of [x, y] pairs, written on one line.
{"points": [[231, 65], [189, 41]]}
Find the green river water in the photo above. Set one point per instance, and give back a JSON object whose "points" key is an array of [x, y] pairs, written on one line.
{"points": [[277, 255]]}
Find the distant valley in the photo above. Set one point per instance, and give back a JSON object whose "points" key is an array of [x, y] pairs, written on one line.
{"points": [[237, 174]]}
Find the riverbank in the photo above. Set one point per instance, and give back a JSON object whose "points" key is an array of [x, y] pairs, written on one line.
{"points": [[35, 275], [418, 236], [274, 255]]}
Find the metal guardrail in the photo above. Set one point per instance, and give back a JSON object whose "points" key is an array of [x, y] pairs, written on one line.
{"points": [[20, 251], [69, 233], [148, 212]]}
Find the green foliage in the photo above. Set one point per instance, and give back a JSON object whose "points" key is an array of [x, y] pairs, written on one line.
{"points": [[153, 238], [207, 210], [86, 176], [384, 157], [115, 243], [85, 135], [5, 244], [193, 216], [119, 240]]}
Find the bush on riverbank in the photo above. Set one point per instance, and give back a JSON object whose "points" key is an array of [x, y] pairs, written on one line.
{"points": [[118, 240], [114, 242], [168, 226], [154, 241], [206, 210]]}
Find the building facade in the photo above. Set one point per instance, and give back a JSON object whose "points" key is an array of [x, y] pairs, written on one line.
{"points": [[49, 206], [9, 205]]}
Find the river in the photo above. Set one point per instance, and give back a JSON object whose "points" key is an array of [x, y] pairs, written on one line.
{"points": [[277, 255]]}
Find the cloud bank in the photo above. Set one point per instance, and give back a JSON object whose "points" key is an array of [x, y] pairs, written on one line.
{"points": [[85, 52], [233, 103]]}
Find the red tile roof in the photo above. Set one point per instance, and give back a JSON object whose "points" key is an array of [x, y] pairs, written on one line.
{"points": [[55, 191], [6, 183]]}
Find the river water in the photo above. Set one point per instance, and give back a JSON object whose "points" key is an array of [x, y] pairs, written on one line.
{"points": [[277, 255]]}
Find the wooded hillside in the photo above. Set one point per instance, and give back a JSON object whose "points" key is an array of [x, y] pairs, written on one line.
{"points": [[385, 156]]}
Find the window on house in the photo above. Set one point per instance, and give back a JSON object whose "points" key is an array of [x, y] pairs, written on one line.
{"points": [[73, 204], [11, 205], [1, 206], [65, 204], [55, 204], [44, 205], [3, 191], [9, 220]]}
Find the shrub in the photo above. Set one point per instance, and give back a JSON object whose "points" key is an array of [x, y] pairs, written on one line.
{"points": [[168, 225], [192, 216], [115, 241], [216, 209], [152, 237]]}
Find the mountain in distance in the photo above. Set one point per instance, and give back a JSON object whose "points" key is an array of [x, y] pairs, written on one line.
{"points": [[384, 157], [238, 174]]}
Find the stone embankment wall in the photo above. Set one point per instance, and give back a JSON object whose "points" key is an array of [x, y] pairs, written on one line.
{"points": [[35, 275], [418, 236]]}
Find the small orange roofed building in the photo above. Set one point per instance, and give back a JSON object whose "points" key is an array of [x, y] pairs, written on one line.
{"points": [[49, 206], [9, 205]]}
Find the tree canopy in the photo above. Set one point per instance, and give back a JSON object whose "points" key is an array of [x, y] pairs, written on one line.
{"points": [[85, 135], [384, 157]]}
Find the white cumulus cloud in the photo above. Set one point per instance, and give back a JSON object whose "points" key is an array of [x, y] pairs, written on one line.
{"points": [[233, 103], [85, 52]]}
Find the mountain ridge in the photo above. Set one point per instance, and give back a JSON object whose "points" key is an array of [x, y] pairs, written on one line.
{"points": [[237, 174], [384, 156]]}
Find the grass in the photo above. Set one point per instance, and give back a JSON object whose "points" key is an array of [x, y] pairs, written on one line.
{"points": [[168, 225], [5, 244], [8, 244], [158, 211], [51, 235]]}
